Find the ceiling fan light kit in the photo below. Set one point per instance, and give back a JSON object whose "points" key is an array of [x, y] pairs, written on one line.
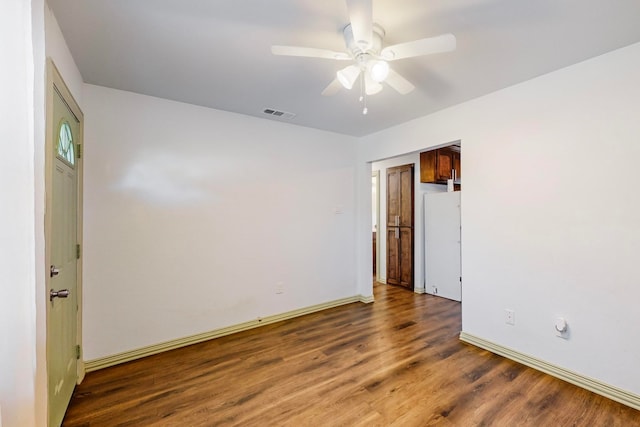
{"points": [[348, 75], [370, 85], [363, 40], [379, 70]]}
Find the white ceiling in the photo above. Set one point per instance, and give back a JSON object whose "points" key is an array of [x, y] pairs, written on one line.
{"points": [[216, 53]]}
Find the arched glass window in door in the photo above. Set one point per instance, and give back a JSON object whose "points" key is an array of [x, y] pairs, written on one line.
{"points": [[65, 144]]}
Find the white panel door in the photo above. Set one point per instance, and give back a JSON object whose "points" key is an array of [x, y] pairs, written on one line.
{"points": [[63, 303], [442, 244]]}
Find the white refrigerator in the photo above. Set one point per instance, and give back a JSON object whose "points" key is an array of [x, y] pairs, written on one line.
{"points": [[442, 245]]}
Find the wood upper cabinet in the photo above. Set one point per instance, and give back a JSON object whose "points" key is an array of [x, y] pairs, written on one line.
{"points": [[437, 166]]}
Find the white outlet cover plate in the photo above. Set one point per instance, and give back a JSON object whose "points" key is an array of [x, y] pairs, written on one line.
{"points": [[510, 317]]}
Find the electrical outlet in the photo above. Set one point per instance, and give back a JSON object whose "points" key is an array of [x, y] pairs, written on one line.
{"points": [[279, 288], [509, 317]]}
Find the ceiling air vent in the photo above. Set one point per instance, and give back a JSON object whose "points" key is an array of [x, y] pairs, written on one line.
{"points": [[278, 114]]}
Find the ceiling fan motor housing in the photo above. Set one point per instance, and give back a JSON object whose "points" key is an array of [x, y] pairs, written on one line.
{"points": [[356, 50]]}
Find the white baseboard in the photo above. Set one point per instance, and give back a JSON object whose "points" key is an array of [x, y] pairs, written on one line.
{"points": [[420, 290], [127, 356], [598, 387], [366, 299]]}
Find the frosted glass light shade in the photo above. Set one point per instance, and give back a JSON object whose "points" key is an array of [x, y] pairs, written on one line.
{"points": [[371, 87], [347, 76], [379, 70]]}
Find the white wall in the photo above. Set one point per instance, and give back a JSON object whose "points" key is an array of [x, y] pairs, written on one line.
{"points": [[39, 123], [550, 212], [193, 216], [58, 51], [21, 74]]}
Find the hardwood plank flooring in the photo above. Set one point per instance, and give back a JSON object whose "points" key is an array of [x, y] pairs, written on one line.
{"points": [[396, 362]]}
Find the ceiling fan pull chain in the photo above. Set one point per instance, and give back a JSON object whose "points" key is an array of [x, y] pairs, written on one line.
{"points": [[363, 94]]}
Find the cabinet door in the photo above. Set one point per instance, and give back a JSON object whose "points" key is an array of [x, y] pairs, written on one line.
{"points": [[428, 166], [400, 213], [393, 197], [445, 165], [400, 256], [405, 258], [405, 198], [393, 256], [400, 196]]}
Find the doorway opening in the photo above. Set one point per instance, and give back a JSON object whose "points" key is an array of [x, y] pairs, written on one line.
{"points": [[450, 151]]}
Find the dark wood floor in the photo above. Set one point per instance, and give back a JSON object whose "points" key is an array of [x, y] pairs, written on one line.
{"points": [[397, 362]]}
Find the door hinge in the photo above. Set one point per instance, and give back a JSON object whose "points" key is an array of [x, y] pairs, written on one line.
{"points": [[460, 279], [79, 151], [78, 352], [78, 251]]}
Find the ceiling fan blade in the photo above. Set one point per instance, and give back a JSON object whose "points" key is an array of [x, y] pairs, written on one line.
{"points": [[310, 52], [332, 88], [399, 83], [361, 18], [443, 43]]}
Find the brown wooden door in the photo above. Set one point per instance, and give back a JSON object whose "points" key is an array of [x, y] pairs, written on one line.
{"points": [[400, 226], [374, 253]]}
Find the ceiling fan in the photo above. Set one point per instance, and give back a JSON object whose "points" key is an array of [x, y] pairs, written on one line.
{"points": [[363, 39]]}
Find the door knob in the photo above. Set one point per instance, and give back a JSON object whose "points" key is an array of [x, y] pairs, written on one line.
{"points": [[53, 271], [62, 293]]}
